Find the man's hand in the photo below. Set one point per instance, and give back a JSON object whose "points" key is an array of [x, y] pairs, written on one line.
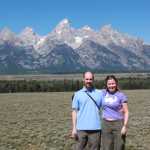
{"points": [[74, 134]]}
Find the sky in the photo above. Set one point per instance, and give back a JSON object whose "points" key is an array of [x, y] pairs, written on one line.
{"points": [[126, 16]]}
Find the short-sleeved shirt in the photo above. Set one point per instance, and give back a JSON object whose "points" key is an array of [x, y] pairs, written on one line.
{"points": [[112, 105], [88, 114]]}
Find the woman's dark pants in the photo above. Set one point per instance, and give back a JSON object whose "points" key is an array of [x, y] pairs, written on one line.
{"points": [[111, 135]]}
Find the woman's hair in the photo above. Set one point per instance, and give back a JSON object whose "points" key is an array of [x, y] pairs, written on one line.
{"points": [[109, 77]]}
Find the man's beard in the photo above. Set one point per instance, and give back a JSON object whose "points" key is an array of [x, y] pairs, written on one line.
{"points": [[89, 85]]}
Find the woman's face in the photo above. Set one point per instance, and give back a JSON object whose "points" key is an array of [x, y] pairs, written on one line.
{"points": [[111, 85]]}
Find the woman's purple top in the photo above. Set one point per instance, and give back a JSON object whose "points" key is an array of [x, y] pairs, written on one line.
{"points": [[112, 105]]}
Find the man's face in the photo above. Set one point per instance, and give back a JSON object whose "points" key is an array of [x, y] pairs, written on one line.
{"points": [[88, 80], [111, 85]]}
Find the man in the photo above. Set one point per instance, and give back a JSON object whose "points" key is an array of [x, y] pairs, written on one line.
{"points": [[85, 115]]}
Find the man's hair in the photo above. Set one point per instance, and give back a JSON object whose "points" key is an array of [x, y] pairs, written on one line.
{"points": [[88, 72]]}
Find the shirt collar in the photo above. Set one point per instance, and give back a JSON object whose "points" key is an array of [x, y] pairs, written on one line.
{"points": [[88, 90], [112, 93]]}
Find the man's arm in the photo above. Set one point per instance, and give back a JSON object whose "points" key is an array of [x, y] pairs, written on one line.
{"points": [[74, 120]]}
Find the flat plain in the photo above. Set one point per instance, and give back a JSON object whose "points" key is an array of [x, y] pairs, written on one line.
{"points": [[42, 121], [75, 76]]}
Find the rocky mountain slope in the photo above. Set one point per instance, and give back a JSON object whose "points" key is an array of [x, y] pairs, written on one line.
{"points": [[66, 49]]}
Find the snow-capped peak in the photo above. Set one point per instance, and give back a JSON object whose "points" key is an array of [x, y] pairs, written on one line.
{"points": [[64, 25], [65, 21], [78, 39], [27, 31], [108, 35], [5, 31], [6, 34], [29, 37], [107, 29], [72, 37], [87, 28]]}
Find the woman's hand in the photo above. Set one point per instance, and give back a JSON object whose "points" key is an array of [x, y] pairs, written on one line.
{"points": [[123, 130]]}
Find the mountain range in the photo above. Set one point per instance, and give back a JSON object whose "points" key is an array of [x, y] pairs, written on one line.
{"points": [[69, 50]]}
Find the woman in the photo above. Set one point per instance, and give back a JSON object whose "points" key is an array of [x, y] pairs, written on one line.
{"points": [[115, 116]]}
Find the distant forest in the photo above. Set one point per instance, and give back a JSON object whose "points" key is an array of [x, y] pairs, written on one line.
{"points": [[11, 86]]}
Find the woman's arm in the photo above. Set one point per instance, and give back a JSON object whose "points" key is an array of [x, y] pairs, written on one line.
{"points": [[126, 117]]}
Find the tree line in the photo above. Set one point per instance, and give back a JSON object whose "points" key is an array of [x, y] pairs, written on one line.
{"points": [[11, 86]]}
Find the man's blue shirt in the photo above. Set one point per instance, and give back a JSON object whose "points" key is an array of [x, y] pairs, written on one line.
{"points": [[88, 115]]}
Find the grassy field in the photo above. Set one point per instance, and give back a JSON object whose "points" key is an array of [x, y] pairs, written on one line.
{"points": [[42, 121]]}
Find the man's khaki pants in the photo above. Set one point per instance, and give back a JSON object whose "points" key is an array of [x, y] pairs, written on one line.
{"points": [[88, 140]]}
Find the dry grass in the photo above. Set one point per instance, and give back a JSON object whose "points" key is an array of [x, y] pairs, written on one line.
{"points": [[42, 121], [77, 76]]}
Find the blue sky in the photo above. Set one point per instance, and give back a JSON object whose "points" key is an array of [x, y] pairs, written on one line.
{"points": [[127, 16]]}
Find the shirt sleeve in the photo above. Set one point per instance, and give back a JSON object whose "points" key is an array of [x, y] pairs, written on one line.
{"points": [[101, 98], [103, 91], [75, 102], [123, 98]]}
